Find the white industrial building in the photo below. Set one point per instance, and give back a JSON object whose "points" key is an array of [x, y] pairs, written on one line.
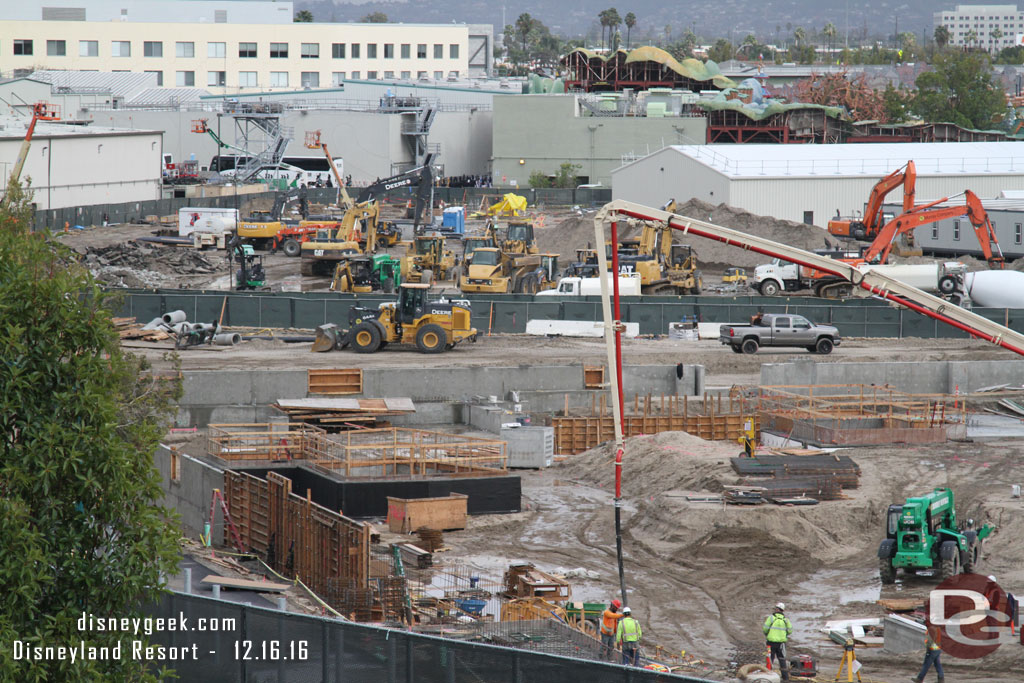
{"points": [[990, 26], [232, 45], [810, 183], [82, 165]]}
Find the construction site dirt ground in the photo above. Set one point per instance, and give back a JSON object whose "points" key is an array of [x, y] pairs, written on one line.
{"points": [[702, 577]]}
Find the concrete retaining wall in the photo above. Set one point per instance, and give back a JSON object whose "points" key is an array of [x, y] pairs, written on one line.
{"points": [[924, 377], [903, 635], [227, 396], [189, 494]]}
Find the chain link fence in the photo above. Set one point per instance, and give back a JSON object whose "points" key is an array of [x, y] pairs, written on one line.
{"points": [[509, 313], [253, 644]]}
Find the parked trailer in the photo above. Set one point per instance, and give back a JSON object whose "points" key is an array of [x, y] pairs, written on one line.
{"points": [[208, 227]]}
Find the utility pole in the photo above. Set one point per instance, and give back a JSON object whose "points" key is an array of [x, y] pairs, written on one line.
{"points": [[896, 34]]}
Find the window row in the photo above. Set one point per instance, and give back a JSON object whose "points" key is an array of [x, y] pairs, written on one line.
{"points": [[185, 49], [1018, 231], [280, 79]]}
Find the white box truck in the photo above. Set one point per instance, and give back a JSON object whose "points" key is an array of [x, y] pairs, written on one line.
{"points": [[208, 227]]}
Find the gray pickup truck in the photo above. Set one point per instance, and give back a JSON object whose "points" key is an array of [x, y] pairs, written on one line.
{"points": [[779, 330]]}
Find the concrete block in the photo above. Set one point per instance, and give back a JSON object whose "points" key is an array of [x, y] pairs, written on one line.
{"points": [[575, 328], [903, 635]]}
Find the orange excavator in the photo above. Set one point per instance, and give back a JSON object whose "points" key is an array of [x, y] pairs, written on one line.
{"points": [[879, 250], [873, 221]]}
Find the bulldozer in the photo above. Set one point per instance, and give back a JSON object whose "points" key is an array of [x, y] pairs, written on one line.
{"points": [[493, 271], [922, 534], [427, 259], [433, 326], [364, 274]]}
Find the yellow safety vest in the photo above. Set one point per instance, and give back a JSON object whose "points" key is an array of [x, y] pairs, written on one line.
{"points": [[777, 628], [628, 631]]}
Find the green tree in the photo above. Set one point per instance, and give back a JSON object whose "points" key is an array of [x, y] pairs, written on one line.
{"points": [[524, 24], [971, 38], [1011, 55], [374, 18], [630, 23], [566, 177], [894, 104], [304, 16], [720, 51], [941, 36], [80, 422], [959, 90], [602, 18]]}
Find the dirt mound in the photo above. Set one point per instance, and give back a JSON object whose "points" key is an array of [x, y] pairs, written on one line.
{"points": [[657, 463], [576, 232], [137, 264], [712, 254]]}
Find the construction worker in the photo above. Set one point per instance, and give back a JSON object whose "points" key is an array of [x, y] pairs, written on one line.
{"points": [[777, 630], [932, 652], [628, 635], [609, 624]]}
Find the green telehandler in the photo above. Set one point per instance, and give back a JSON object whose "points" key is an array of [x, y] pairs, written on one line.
{"points": [[923, 533]]}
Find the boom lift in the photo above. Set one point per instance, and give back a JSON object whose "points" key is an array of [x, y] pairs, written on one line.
{"points": [[41, 111], [873, 220]]}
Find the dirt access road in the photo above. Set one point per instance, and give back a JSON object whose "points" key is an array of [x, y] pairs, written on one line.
{"points": [[702, 577]]}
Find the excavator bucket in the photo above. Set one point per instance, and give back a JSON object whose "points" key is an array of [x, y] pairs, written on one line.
{"points": [[327, 337]]}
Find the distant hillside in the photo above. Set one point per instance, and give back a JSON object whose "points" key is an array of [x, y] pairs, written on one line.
{"points": [[771, 20]]}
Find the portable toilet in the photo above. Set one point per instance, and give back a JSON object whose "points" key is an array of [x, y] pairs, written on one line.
{"points": [[454, 220]]}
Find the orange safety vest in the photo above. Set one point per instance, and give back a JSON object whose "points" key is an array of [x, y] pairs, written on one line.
{"points": [[609, 622]]}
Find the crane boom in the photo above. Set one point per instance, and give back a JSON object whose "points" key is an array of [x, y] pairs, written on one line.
{"points": [[874, 282]]}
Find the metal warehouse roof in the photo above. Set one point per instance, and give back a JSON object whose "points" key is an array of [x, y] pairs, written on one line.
{"points": [[862, 159], [167, 96], [17, 126], [120, 83]]}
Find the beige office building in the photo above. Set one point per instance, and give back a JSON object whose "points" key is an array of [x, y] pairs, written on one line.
{"points": [[224, 46]]}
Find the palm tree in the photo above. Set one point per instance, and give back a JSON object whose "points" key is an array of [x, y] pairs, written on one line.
{"points": [[605, 18], [971, 37], [830, 32], [994, 36], [799, 35], [630, 23], [614, 20], [749, 41], [941, 36]]}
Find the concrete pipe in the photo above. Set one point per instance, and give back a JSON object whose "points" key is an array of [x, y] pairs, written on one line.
{"points": [[175, 317], [227, 339], [199, 327], [181, 327]]}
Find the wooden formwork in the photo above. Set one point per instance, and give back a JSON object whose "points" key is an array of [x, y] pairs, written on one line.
{"points": [[386, 452], [297, 537], [712, 419], [259, 441], [398, 452], [857, 414]]}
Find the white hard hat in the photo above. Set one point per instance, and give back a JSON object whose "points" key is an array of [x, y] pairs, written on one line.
{"points": [[992, 578], [626, 610], [781, 606]]}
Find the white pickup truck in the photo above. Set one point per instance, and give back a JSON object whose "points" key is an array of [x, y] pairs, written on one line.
{"points": [[629, 285]]}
